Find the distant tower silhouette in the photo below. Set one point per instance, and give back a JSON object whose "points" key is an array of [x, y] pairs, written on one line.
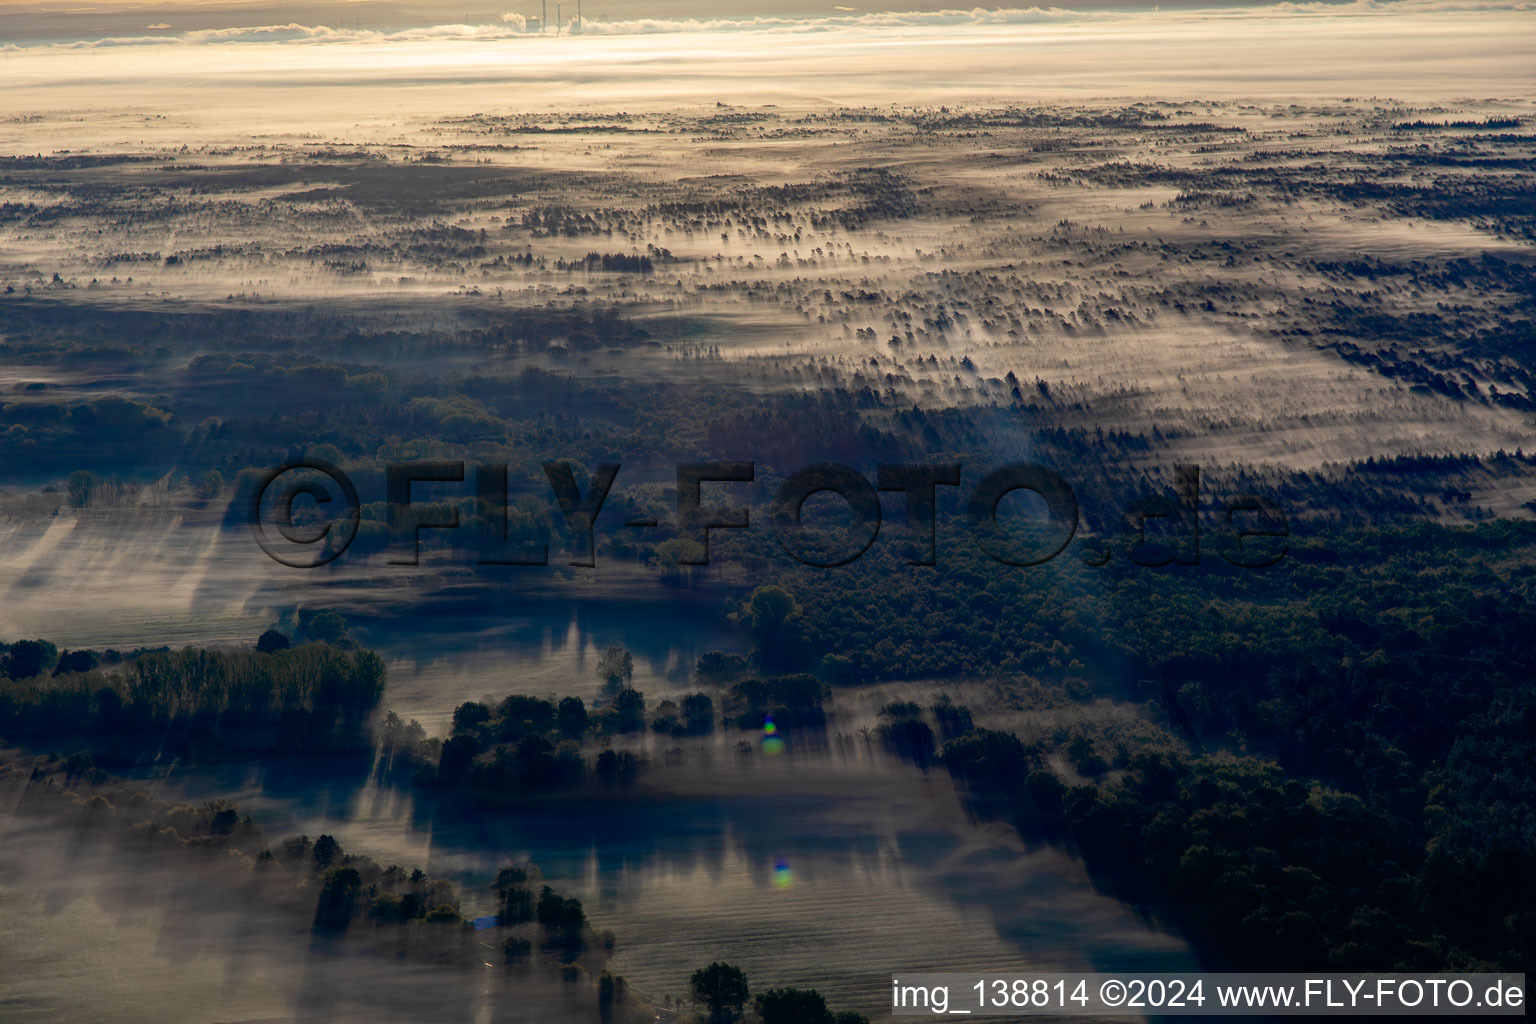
{"points": [[557, 18], [544, 17], [576, 25]]}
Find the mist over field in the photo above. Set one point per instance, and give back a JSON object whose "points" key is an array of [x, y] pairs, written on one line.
{"points": [[1254, 282]]}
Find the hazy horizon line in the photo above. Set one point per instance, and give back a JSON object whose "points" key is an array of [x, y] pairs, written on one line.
{"points": [[513, 24]]}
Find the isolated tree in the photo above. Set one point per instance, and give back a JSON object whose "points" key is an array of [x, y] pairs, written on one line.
{"points": [[509, 878], [516, 907], [338, 900], [610, 990], [469, 717], [551, 905], [616, 667], [630, 705], [294, 848], [82, 487], [774, 618], [326, 851], [614, 766], [720, 668], [793, 1006], [676, 559], [28, 658], [272, 641], [769, 611], [453, 764], [698, 712], [328, 626], [75, 661], [722, 988], [571, 717]]}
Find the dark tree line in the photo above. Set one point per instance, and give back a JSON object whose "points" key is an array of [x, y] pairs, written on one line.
{"points": [[196, 702], [1345, 780]]}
